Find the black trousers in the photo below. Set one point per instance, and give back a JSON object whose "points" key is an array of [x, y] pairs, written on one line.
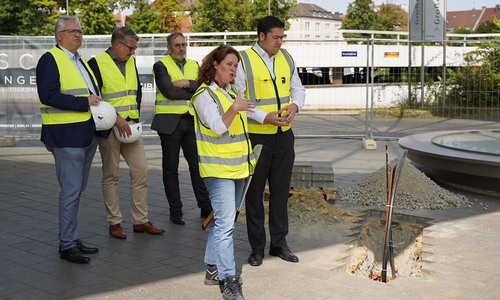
{"points": [[183, 136], [275, 165]]}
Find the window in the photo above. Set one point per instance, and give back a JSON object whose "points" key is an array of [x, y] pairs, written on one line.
{"points": [[317, 26], [473, 16], [327, 26], [308, 37], [307, 25]]}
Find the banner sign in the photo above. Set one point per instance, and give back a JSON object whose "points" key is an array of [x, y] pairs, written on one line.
{"points": [[428, 17], [349, 53], [391, 54]]}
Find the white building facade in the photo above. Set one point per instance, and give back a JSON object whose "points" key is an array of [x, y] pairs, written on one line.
{"points": [[314, 24]]}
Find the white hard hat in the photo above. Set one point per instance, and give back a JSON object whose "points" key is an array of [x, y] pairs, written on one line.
{"points": [[104, 115], [136, 133]]}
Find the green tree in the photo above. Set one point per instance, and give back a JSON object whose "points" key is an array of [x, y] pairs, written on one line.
{"points": [[95, 16], [392, 17], [111, 5], [492, 26], [171, 14], [277, 8], [462, 30], [360, 16], [145, 19], [25, 17], [474, 85], [215, 15], [37, 17]]}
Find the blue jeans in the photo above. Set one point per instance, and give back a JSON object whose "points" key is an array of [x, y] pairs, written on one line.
{"points": [[72, 170], [225, 196]]}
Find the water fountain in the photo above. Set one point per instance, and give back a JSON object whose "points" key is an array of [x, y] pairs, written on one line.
{"points": [[467, 159]]}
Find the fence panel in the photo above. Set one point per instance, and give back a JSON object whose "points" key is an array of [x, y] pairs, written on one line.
{"points": [[347, 82]]}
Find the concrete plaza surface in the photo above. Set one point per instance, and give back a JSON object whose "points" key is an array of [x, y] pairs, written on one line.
{"points": [[461, 255]]}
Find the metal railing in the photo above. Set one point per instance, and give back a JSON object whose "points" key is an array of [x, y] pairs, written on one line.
{"points": [[383, 80]]}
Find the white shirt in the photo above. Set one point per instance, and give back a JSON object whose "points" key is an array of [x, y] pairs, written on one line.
{"points": [[297, 93], [208, 111], [75, 59]]}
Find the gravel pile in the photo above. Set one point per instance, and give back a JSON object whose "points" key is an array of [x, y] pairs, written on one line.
{"points": [[414, 191]]}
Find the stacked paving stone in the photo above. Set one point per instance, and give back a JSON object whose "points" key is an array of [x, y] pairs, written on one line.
{"points": [[312, 174]]}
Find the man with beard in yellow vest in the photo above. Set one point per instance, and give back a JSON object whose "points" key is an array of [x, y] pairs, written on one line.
{"points": [[175, 77], [268, 76], [117, 75]]}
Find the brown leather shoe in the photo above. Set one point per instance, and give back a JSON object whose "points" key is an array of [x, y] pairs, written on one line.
{"points": [[116, 231], [149, 228]]}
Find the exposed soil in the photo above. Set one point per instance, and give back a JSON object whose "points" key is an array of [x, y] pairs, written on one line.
{"points": [[366, 259], [310, 214]]}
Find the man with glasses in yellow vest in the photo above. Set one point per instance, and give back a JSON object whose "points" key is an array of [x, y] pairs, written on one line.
{"points": [[268, 76], [116, 72], [67, 89], [175, 77]]}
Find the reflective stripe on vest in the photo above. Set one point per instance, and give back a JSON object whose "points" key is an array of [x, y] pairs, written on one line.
{"points": [[263, 90], [225, 155], [163, 105], [71, 83], [120, 91]]}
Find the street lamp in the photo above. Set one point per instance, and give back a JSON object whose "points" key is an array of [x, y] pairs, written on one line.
{"points": [[67, 7]]}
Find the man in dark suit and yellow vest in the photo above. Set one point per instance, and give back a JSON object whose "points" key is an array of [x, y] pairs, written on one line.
{"points": [[268, 76], [117, 75], [67, 88], [175, 77]]}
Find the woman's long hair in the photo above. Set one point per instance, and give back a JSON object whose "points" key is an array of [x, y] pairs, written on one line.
{"points": [[206, 73]]}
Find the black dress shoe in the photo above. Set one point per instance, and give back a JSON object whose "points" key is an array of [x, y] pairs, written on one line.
{"points": [[74, 255], [284, 253], [176, 218], [85, 249], [256, 258]]}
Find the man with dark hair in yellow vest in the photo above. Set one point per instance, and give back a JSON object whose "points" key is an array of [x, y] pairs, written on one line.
{"points": [[67, 89], [175, 77], [117, 75], [268, 76]]}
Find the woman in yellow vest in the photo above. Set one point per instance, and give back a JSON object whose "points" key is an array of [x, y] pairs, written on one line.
{"points": [[225, 160]]}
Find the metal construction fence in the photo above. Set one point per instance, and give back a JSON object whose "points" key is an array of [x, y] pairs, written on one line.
{"points": [[359, 81]]}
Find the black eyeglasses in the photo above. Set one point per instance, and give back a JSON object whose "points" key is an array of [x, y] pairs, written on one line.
{"points": [[180, 46], [72, 31], [130, 48]]}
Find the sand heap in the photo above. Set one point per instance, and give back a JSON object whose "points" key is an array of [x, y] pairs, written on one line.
{"points": [[309, 207]]}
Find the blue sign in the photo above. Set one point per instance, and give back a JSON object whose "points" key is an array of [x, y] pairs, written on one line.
{"points": [[349, 53]]}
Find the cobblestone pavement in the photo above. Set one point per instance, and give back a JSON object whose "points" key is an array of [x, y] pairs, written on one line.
{"points": [[460, 247]]}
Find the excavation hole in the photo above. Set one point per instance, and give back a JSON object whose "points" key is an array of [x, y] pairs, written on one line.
{"points": [[407, 235]]}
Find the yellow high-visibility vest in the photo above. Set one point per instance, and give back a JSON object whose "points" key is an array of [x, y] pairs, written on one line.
{"points": [[120, 91], [71, 83], [262, 90], [227, 155], [163, 105]]}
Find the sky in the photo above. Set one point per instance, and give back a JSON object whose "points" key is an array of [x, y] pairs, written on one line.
{"points": [[452, 5]]}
